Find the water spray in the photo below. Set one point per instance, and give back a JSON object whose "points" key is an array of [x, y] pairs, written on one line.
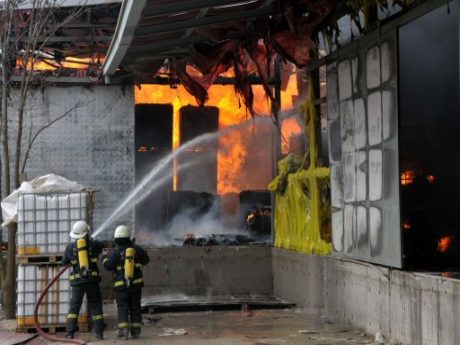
{"points": [[161, 166]]}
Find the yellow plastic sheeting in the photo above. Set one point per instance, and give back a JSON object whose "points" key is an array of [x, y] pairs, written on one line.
{"points": [[302, 205], [295, 225]]}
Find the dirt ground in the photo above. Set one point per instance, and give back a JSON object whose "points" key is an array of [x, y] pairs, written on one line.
{"points": [[253, 327]]}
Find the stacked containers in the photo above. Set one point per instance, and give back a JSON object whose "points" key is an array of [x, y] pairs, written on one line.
{"points": [[44, 224]]}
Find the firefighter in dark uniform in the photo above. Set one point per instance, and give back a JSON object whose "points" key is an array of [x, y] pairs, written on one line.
{"points": [[125, 261], [84, 278]]}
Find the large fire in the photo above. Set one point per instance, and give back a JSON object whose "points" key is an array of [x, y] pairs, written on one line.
{"points": [[71, 62], [234, 148]]}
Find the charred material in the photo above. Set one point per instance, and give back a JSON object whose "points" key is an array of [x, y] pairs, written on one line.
{"points": [[216, 240], [255, 207], [258, 220]]}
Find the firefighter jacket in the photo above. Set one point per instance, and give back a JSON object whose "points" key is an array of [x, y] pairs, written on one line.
{"points": [[115, 262], [91, 275]]}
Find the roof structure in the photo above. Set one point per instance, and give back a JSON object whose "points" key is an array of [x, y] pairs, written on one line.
{"points": [[78, 44], [150, 31], [196, 41]]}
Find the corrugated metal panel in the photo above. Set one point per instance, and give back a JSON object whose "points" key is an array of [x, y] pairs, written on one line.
{"points": [[11, 338]]}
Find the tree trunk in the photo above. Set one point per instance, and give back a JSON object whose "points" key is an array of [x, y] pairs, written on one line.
{"points": [[6, 155], [9, 284]]}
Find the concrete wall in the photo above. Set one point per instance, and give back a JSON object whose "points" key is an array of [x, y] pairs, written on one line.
{"points": [[221, 270], [199, 272], [93, 144], [407, 307], [298, 278]]}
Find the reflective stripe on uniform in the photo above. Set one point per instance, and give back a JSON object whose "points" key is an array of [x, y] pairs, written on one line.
{"points": [[94, 273], [72, 316], [119, 268], [93, 259], [97, 317], [74, 276], [138, 265], [73, 262], [136, 324], [105, 260], [123, 325], [138, 281], [119, 283]]}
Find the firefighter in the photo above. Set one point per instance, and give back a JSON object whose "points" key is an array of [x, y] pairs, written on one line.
{"points": [[125, 261], [84, 278]]}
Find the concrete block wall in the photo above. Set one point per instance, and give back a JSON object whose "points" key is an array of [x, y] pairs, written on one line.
{"points": [[407, 307], [209, 271], [93, 144]]}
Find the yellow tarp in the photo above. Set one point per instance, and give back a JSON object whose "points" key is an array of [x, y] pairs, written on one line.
{"points": [[302, 205], [295, 225]]}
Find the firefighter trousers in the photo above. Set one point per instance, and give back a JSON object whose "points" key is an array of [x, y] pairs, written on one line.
{"points": [[129, 309], [93, 294]]}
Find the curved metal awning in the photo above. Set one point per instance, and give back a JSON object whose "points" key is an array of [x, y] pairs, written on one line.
{"points": [[149, 31]]}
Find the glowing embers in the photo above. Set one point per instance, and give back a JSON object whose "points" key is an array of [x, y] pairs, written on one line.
{"points": [[406, 225], [145, 149], [407, 177], [431, 179], [445, 243]]}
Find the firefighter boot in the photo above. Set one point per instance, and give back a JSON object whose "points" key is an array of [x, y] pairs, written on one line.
{"points": [[68, 335], [135, 332], [123, 333]]}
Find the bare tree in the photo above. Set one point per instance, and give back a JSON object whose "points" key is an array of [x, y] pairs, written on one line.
{"points": [[26, 27]]}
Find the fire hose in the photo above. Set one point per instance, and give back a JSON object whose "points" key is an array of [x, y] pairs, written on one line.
{"points": [[37, 306]]}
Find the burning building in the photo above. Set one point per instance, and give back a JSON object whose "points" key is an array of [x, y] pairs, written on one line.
{"points": [[181, 70]]}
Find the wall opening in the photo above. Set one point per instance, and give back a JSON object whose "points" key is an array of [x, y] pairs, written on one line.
{"points": [[429, 140], [153, 141]]}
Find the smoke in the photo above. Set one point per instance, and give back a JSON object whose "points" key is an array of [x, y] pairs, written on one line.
{"points": [[189, 220], [149, 184]]}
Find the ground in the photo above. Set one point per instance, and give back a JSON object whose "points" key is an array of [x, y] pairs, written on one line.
{"points": [[253, 327], [248, 327]]}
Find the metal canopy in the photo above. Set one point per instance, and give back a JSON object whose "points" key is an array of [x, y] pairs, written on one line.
{"points": [[149, 31]]}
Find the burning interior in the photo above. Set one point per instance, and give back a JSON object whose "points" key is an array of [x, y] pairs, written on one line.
{"points": [[429, 142], [216, 192]]}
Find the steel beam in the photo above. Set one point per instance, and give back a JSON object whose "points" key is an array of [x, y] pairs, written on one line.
{"points": [[147, 31], [146, 49], [184, 6]]}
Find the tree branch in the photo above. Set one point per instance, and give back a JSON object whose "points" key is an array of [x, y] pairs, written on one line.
{"points": [[77, 105]]}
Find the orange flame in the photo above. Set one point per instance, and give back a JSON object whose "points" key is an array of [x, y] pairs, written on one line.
{"points": [[407, 177], [235, 147], [289, 128], [444, 243], [71, 62]]}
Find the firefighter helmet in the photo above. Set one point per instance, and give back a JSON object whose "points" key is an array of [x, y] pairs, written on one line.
{"points": [[121, 231], [79, 230]]}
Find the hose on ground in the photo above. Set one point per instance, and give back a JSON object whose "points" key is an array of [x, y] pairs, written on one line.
{"points": [[37, 306]]}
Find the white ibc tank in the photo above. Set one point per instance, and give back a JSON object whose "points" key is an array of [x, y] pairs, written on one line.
{"points": [[45, 220], [32, 279]]}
